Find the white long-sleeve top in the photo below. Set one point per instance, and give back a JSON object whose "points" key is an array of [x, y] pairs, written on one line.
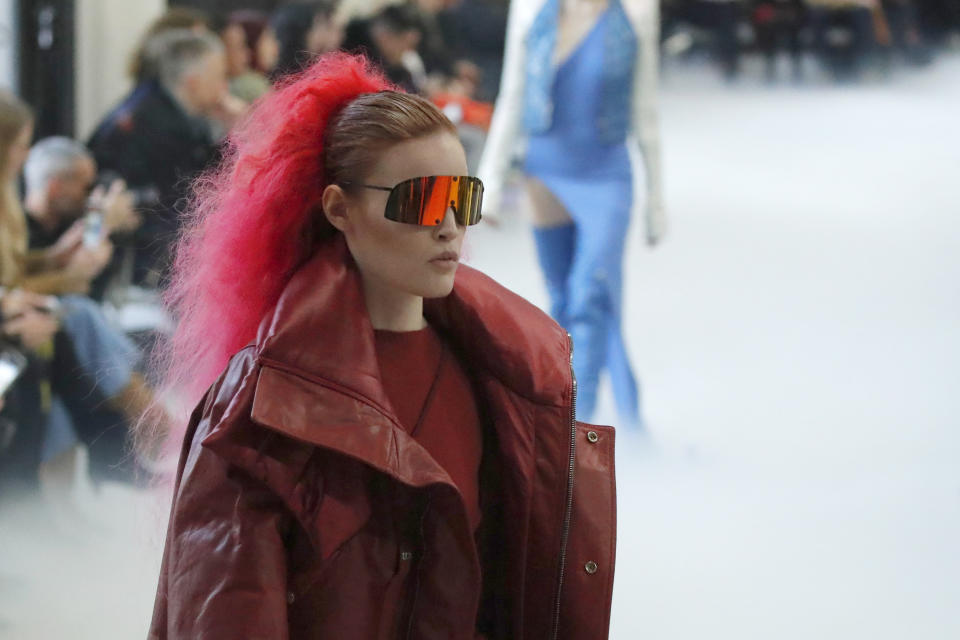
{"points": [[643, 138]]}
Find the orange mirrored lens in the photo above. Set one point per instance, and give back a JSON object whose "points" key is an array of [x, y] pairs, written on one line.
{"points": [[425, 201]]}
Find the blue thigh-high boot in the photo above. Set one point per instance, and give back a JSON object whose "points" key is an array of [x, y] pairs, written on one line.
{"points": [[555, 247], [590, 316]]}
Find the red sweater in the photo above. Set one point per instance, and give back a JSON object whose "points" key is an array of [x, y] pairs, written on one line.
{"points": [[413, 362]]}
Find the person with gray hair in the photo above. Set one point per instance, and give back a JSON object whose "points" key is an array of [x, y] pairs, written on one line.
{"points": [[51, 158], [160, 136], [192, 67], [60, 174]]}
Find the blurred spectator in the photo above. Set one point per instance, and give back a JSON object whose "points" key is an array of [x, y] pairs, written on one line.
{"points": [[435, 52], [847, 34], [303, 31], [445, 70], [16, 132], [60, 174], [905, 34], [25, 413], [350, 10], [777, 21], [476, 30], [720, 19], [159, 136], [247, 45], [91, 372], [141, 68], [65, 267], [387, 38]]}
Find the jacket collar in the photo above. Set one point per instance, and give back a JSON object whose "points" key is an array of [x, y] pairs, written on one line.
{"points": [[318, 382], [497, 331]]}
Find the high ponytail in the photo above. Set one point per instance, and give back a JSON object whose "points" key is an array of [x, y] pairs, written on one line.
{"points": [[255, 219]]}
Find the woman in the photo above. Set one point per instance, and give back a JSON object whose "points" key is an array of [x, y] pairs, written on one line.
{"points": [[304, 31], [580, 80], [251, 53], [391, 451]]}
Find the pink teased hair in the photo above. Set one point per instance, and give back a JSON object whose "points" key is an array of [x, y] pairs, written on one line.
{"points": [[248, 227]]}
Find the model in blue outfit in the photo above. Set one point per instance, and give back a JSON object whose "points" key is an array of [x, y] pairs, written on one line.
{"points": [[588, 170]]}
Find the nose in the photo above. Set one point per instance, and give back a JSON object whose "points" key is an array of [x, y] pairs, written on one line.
{"points": [[448, 229]]}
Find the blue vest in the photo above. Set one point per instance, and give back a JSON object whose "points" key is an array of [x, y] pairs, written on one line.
{"points": [[620, 56]]}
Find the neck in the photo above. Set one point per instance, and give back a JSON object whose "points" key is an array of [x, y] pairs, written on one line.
{"points": [[392, 310]]}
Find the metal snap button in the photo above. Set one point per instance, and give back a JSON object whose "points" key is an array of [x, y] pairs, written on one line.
{"points": [[592, 436], [591, 567], [290, 597]]}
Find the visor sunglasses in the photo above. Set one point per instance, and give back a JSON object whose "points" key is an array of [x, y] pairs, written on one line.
{"points": [[424, 201]]}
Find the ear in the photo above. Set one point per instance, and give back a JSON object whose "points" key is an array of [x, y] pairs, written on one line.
{"points": [[334, 203]]}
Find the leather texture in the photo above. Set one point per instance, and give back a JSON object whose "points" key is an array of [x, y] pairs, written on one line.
{"points": [[303, 510]]}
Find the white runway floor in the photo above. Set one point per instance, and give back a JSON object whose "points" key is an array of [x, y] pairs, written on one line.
{"points": [[797, 337]]}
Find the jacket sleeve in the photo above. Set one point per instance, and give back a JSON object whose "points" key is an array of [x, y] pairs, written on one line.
{"points": [[505, 126], [224, 571], [588, 584], [645, 123]]}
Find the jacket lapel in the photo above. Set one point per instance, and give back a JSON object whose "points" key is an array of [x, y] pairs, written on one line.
{"points": [[317, 381]]}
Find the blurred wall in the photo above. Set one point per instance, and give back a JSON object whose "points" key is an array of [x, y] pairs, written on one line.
{"points": [[8, 44], [107, 31]]}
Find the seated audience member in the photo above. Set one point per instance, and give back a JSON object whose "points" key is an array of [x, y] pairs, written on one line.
{"points": [[160, 137], [245, 41], [476, 31], [906, 37], [80, 393], [721, 19], [776, 21], [447, 71], [27, 400], [387, 39], [303, 31], [58, 267], [59, 174], [140, 67], [91, 364], [860, 20]]}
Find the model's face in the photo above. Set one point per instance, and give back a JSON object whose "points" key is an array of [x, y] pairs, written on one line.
{"points": [[68, 191], [19, 149], [403, 257]]}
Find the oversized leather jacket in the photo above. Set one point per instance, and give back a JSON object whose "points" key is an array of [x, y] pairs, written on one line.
{"points": [[302, 509]]}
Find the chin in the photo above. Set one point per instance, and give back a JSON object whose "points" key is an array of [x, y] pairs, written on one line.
{"points": [[438, 288]]}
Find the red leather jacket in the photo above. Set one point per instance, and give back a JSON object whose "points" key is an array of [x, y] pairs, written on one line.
{"points": [[303, 510]]}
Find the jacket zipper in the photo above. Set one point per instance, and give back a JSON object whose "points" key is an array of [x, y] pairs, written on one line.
{"points": [[568, 515]]}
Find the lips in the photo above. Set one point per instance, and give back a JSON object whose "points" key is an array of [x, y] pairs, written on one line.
{"points": [[446, 256]]}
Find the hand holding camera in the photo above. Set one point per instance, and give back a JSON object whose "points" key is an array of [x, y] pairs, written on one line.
{"points": [[117, 205]]}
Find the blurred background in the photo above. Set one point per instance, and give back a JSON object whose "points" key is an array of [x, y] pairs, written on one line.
{"points": [[796, 333]]}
